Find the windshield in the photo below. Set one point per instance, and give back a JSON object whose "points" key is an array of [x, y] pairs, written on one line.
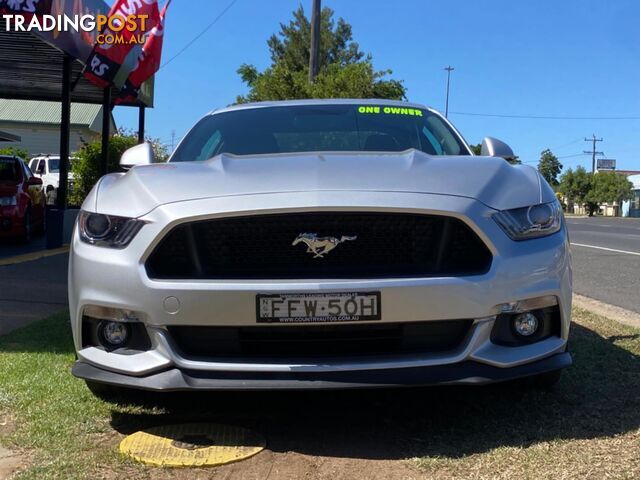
{"points": [[318, 128], [9, 170]]}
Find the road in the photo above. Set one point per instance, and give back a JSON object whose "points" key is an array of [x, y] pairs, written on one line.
{"points": [[606, 259]]}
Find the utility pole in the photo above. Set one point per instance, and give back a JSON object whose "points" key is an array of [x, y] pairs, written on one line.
{"points": [[449, 69], [314, 53], [593, 151]]}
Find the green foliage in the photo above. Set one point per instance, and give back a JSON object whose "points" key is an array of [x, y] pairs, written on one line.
{"points": [[476, 149], [86, 168], [16, 151], [575, 185], [593, 190], [549, 167], [345, 71], [609, 187]]}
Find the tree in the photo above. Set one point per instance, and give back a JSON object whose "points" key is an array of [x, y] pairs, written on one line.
{"points": [[593, 190], [86, 167], [476, 149], [549, 167], [15, 151], [344, 70], [608, 187], [576, 185]]}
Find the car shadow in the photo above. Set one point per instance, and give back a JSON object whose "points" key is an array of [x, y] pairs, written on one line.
{"points": [[598, 396]]}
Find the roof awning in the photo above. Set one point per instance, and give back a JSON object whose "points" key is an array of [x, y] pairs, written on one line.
{"points": [[9, 137], [31, 69]]}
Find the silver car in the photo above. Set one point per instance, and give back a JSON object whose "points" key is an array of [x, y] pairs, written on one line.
{"points": [[320, 244]]}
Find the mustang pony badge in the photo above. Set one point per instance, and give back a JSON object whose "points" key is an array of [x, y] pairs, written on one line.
{"points": [[320, 246]]}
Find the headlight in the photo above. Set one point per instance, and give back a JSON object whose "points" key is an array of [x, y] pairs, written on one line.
{"points": [[8, 201], [107, 230], [530, 222]]}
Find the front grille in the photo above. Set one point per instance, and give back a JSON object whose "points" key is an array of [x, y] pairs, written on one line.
{"points": [[315, 340], [260, 247]]}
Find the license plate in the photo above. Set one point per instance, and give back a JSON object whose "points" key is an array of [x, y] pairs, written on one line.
{"points": [[318, 307]]}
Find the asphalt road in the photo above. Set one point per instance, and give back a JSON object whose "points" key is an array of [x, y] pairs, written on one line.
{"points": [[606, 259]]}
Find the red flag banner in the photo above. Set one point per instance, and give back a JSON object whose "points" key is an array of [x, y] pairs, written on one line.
{"points": [[148, 61], [106, 59], [25, 8]]}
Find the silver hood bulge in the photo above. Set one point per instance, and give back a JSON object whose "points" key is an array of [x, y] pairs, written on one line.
{"points": [[492, 181]]}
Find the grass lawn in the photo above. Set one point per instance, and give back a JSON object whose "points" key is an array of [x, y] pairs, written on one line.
{"points": [[588, 427]]}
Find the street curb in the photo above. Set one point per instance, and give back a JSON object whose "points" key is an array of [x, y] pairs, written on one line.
{"points": [[621, 315], [29, 257]]}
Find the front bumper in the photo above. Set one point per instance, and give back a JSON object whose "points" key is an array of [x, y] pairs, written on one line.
{"points": [[464, 373], [520, 270]]}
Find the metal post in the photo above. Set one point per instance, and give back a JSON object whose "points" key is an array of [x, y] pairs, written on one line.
{"points": [[314, 54], [449, 69], [141, 124], [593, 151], [106, 124], [65, 130]]}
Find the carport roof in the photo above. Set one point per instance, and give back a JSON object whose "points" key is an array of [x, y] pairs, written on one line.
{"points": [[29, 111], [9, 137], [31, 69]]}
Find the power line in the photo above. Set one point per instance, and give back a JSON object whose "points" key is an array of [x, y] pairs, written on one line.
{"points": [[566, 144], [574, 155], [197, 37], [547, 117]]}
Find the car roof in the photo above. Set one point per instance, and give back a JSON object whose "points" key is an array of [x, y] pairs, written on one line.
{"points": [[320, 101]]}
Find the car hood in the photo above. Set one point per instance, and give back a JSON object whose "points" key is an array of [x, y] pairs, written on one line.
{"points": [[490, 180]]}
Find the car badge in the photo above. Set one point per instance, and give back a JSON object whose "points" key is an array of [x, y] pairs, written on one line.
{"points": [[320, 246]]}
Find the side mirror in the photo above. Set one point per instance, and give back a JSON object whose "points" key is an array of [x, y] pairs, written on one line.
{"points": [[492, 147], [139, 155]]}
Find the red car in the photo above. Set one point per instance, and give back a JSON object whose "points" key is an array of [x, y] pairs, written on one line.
{"points": [[22, 201]]}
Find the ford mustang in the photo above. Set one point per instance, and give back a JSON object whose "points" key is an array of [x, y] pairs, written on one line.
{"points": [[320, 244]]}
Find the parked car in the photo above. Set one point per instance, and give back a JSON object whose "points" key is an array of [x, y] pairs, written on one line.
{"points": [[47, 167], [22, 200], [320, 244]]}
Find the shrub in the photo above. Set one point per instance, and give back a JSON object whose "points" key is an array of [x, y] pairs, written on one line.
{"points": [[17, 151], [86, 167]]}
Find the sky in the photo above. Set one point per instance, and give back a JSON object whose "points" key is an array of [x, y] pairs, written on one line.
{"points": [[542, 58]]}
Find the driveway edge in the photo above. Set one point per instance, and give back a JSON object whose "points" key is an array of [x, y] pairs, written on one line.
{"points": [[619, 314]]}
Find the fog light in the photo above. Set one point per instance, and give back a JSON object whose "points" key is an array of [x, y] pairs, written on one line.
{"points": [[113, 334], [526, 324]]}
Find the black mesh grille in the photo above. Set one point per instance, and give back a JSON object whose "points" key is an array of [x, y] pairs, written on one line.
{"points": [[260, 247], [305, 340]]}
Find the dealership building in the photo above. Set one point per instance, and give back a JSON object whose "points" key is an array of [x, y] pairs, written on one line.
{"points": [[36, 124]]}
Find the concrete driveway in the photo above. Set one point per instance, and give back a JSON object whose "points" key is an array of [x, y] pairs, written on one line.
{"points": [[32, 290]]}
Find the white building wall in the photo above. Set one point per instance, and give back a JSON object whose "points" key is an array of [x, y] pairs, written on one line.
{"points": [[45, 138]]}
